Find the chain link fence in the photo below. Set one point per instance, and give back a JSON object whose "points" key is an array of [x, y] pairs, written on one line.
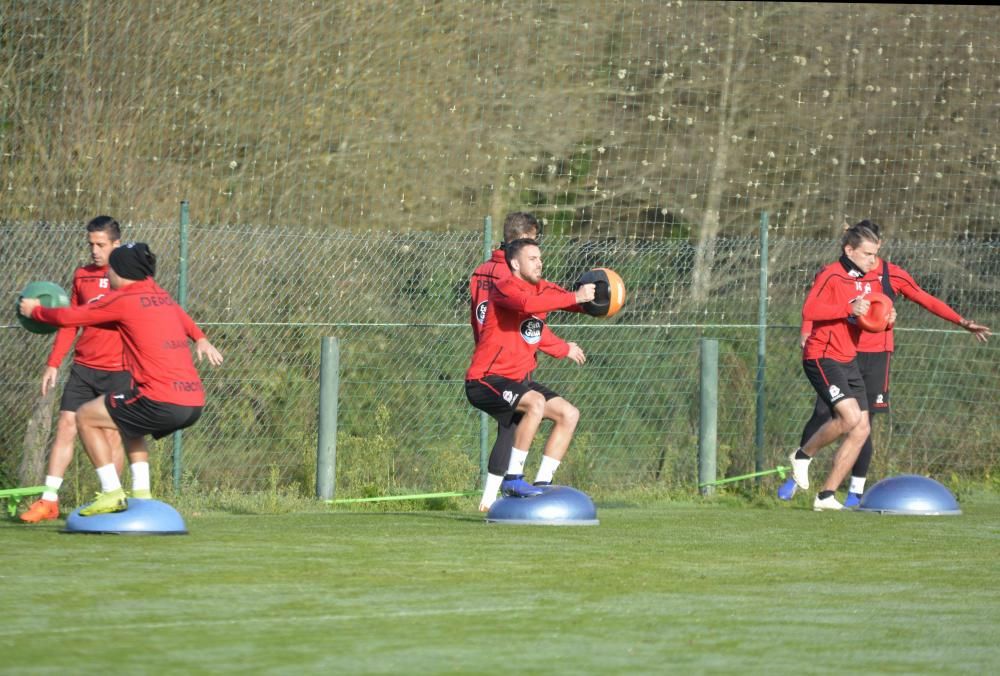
{"points": [[398, 303]]}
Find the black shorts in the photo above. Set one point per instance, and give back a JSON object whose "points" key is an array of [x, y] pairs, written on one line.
{"points": [[137, 416], [835, 381], [86, 384], [874, 368], [498, 396]]}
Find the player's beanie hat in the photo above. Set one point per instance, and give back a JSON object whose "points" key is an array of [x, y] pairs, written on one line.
{"points": [[133, 261]]}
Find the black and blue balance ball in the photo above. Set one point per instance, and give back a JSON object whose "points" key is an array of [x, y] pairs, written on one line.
{"points": [[49, 294]]}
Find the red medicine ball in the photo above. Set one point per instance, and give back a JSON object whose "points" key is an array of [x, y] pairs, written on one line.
{"points": [[877, 317]]}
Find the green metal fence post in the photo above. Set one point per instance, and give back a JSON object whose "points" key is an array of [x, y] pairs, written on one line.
{"points": [[708, 415], [182, 279], [484, 419], [329, 395], [761, 347]]}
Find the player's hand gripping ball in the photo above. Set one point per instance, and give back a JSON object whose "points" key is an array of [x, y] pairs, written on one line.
{"points": [[877, 318], [609, 292], [49, 294]]}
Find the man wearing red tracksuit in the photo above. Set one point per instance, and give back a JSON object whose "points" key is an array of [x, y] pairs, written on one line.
{"points": [[96, 370], [498, 382], [874, 358], [836, 298], [166, 393], [517, 225]]}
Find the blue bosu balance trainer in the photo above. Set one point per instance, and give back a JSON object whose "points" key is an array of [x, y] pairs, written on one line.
{"points": [[909, 494], [143, 517], [556, 506]]}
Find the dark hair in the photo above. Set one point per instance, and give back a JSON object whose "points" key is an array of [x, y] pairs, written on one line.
{"points": [[519, 225], [859, 232], [514, 248], [105, 224]]}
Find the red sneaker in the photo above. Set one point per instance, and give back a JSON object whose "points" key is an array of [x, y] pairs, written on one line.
{"points": [[41, 510]]}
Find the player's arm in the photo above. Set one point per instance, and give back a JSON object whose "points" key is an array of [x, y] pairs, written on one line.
{"points": [[202, 347], [805, 331], [904, 284], [474, 301], [508, 294], [61, 346], [554, 346], [104, 311], [822, 303]]}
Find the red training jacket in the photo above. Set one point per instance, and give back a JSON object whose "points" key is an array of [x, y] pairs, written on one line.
{"points": [[152, 327], [828, 307], [483, 280], [902, 284], [515, 327], [98, 347]]}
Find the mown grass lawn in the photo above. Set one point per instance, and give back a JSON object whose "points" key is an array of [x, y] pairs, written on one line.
{"points": [[673, 586]]}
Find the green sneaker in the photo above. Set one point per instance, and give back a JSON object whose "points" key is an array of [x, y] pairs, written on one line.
{"points": [[142, 494], [106, 503]]}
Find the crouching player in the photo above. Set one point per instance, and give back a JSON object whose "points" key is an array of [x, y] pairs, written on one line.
{"points": [[498, 382], [166, 393]]}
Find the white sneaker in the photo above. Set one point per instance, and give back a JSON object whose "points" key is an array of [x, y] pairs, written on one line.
{"points": [[831, 503], [800, 470]]}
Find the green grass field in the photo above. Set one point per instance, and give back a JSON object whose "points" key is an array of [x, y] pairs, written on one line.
{"points": [[703, 587]]}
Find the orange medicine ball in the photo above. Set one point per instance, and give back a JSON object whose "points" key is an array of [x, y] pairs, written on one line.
{"points": [[609, 292], [877, 318]]}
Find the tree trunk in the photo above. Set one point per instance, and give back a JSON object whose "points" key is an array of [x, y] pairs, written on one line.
{"points": [[36, 436], [705, 253]]}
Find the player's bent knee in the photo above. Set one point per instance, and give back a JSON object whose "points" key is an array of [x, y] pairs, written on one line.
{"points": [[66, 424], [531, 403]]}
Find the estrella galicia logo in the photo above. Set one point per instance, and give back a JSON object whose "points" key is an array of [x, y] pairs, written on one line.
{"points": [[481, 312], [531, 330]]}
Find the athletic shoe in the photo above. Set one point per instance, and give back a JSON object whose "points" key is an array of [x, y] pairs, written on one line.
{"points": [[106, 503], [142, 494], [831, 503], [514, 486], [800, 471], [542, 484], [41, 510], [787, 490], [853, 500]]}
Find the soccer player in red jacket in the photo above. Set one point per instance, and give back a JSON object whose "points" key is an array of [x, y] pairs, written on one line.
{"points": [[498, 382], [166, 393], [97, 369], [874, 358], [836, 298], [517, 225]]}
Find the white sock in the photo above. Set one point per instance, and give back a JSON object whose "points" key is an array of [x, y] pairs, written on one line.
{"points": [[857, 484], [53, 484], [109, 478], [517, 458], [490, 489], [547, 469], [140, 476]]}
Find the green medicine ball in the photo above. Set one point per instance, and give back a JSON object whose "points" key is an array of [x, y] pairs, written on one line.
{"points": [[51, 295]]}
